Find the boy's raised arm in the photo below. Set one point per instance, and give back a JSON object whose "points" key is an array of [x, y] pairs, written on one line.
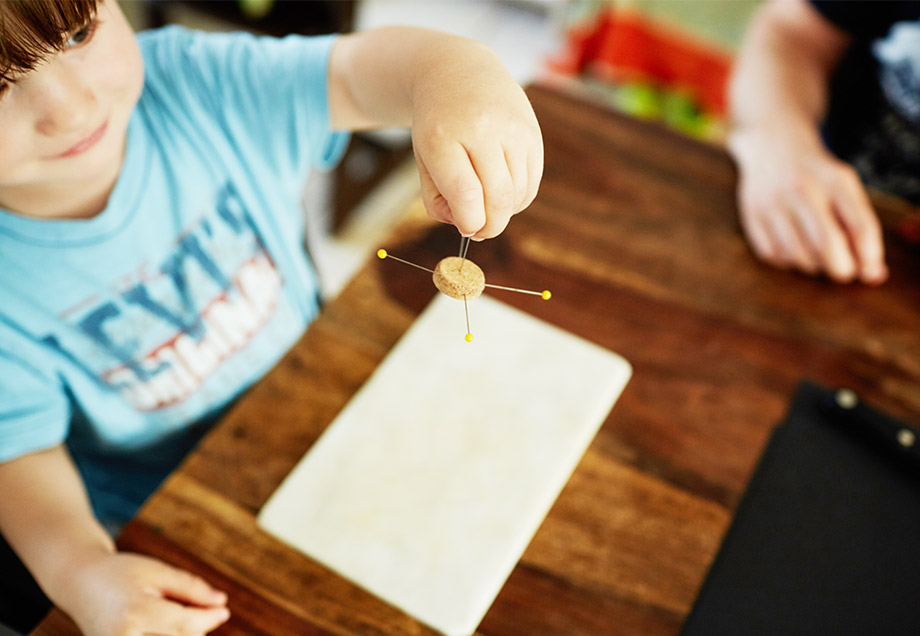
{"points": [[46, 517], [476, 139]]}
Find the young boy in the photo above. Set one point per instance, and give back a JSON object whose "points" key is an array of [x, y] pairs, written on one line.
{"points": [[151, 262]]}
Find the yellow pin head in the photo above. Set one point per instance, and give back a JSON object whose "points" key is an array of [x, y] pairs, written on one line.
{"points": [[469, 337], [546, 294], [381, 254]]}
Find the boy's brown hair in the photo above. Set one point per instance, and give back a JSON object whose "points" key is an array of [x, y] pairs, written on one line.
{"points": [[31, 30]]}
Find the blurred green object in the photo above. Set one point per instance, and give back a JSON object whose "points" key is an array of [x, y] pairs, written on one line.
{"points": [[256, 9], [639, 99], [682, 112], [675, 108]]}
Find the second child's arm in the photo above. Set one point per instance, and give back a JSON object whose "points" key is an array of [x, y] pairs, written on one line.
{"points": [[799, 205], [475, 136], [46, 517]]}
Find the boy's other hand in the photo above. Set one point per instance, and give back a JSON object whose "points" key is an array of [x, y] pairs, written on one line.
{"points": [[477, 143], [802, 208], [125, 594]]}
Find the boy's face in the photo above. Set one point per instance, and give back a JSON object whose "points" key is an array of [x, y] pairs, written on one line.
{"points": [[65, 121]]}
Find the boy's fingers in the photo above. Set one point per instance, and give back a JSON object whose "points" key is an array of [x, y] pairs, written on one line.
{"points": [[434, 202], [526, 168], [456, 181], [188, 588], [516, 163], [534, 175], [491, 168], [495, 225], [168, 617]]}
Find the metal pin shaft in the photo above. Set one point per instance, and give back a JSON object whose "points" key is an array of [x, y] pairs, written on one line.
{"points": [[515, 289], [396, 258]]}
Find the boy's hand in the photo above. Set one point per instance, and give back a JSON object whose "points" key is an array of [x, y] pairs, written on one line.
{"points": [[477, 143], [802, 208], [107, 593], [476, 139], [123, 594]]}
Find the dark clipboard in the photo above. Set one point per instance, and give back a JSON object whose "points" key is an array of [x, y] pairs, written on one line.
{"points": [[826, 539]]}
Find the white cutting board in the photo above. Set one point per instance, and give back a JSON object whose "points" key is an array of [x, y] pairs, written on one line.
{"points": [[430, 483]]}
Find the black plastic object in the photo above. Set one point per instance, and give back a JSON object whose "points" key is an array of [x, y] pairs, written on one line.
{"points": [[826, 539]]}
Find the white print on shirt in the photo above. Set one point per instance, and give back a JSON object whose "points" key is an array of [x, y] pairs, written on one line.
{"points": [[899, 74], [230, 321], [167, 328]]}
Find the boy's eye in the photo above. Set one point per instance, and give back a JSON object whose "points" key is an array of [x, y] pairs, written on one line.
{"points": [[81, 36]]}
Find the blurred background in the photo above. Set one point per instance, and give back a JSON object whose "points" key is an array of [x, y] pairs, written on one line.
{"points": [[660, 60]]}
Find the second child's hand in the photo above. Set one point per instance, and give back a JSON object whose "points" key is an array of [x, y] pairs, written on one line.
{"points": [[802, 208]]}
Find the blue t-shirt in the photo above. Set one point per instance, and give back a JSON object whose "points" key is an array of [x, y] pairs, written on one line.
{"points": [[126, 334]]}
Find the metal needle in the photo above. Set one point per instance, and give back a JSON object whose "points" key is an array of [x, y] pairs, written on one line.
{"points": [[464, 246]]}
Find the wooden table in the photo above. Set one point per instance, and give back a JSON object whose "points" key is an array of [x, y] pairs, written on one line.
{"points": [[635, 232]]}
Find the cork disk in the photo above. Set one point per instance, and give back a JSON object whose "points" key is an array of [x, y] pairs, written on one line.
{"points": [[459, 278]]}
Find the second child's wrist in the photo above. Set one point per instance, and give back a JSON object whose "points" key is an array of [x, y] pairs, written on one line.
{"points": [[748, 142]]}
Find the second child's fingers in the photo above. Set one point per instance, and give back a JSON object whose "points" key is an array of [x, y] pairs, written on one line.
{"points": [[808, 258], [793, 250], [759, 237], [863, 227], [808, 223], [814, 207]]}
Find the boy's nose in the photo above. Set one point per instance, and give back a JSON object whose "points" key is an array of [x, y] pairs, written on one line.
{"points": [[67, 105]]}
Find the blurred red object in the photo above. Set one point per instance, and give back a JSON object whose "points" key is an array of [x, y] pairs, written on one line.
{"points": [[623, 45]]}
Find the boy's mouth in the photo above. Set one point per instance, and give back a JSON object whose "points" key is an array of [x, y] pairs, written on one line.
{"points": [[86, 143]]}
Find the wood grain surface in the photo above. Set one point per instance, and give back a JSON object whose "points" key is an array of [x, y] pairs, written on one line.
{"points": [[635, 233]]}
